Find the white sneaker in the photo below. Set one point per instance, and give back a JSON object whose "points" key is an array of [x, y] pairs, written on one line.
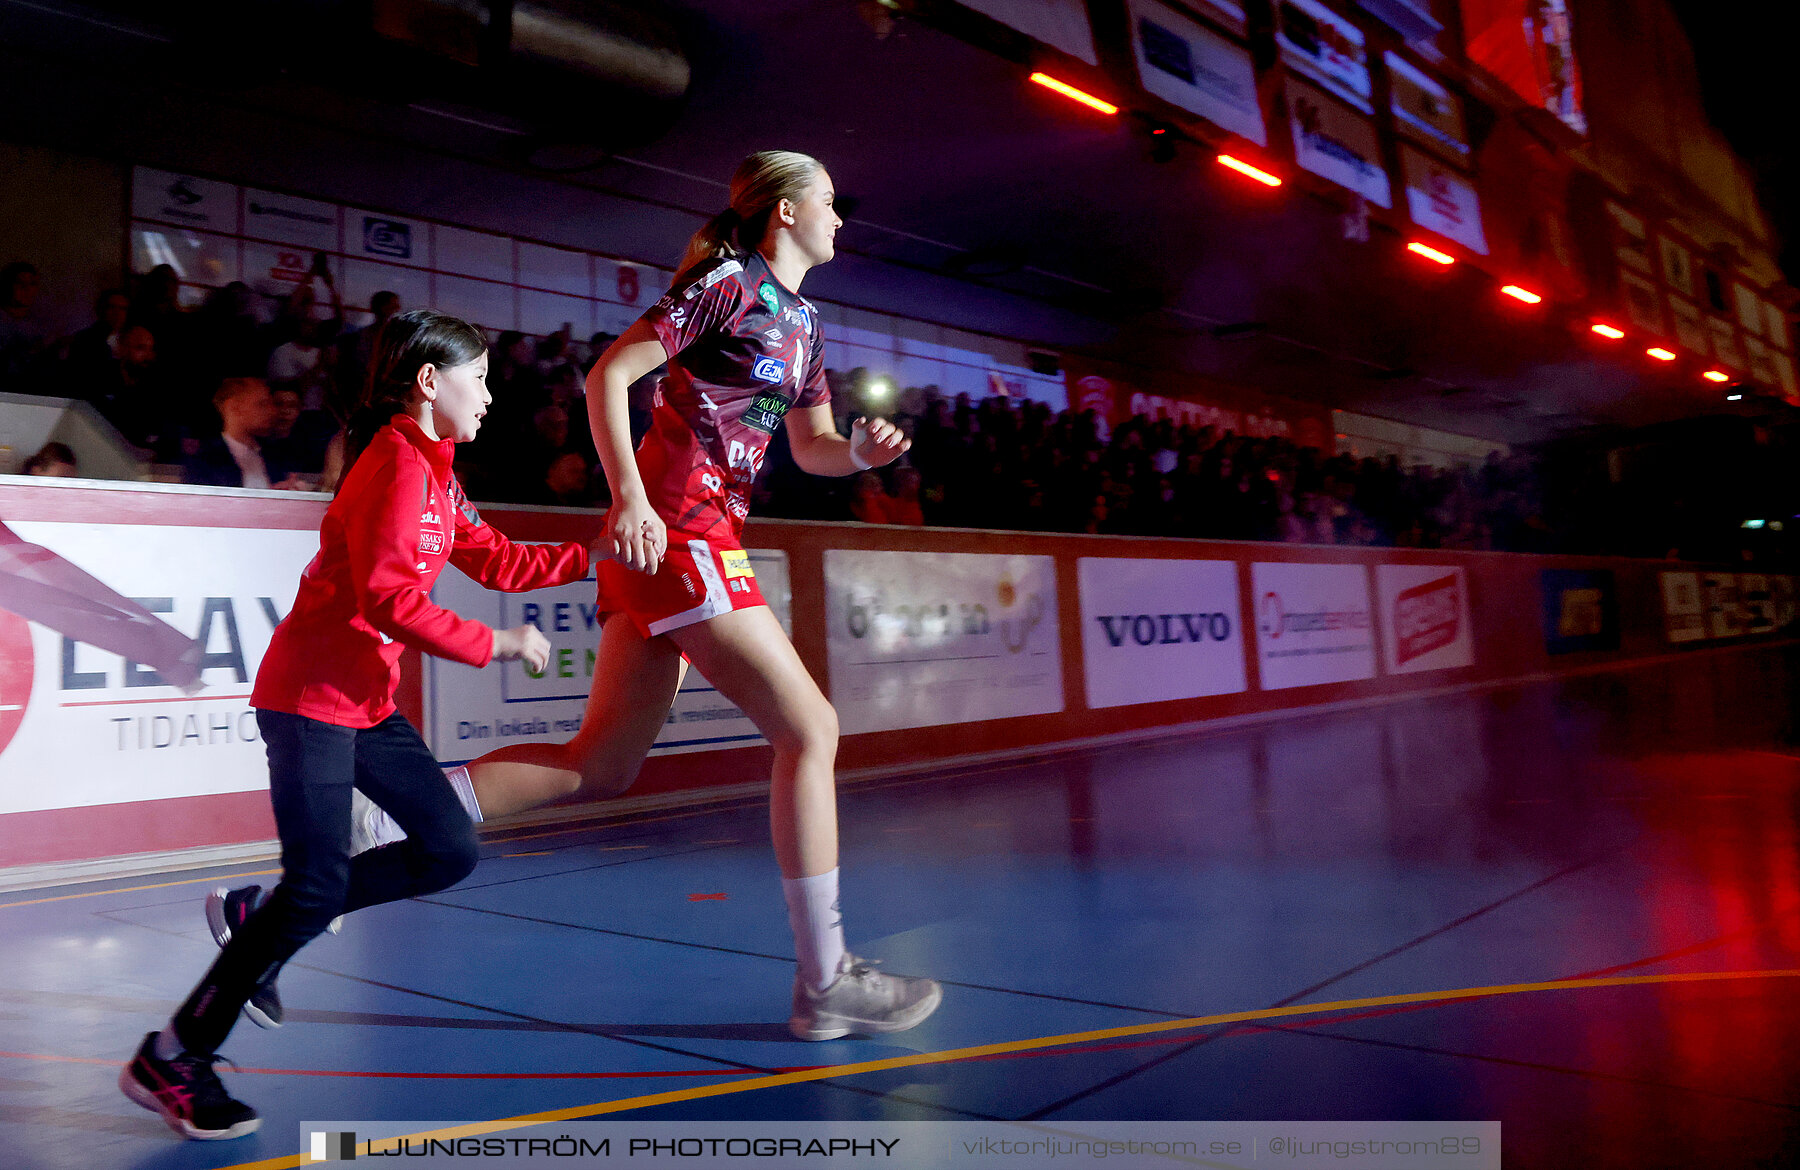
{"points": [[862, 999]]}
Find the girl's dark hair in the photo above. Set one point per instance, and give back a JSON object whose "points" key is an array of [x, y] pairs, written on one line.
{"points": [[406, 343]]}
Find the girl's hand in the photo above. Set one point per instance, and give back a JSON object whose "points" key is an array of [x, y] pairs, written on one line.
{"points": [[523, 642], [878, 443], [635, 536]]}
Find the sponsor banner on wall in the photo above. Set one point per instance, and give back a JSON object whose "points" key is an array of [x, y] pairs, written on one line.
{"points": [[1424, 618], [1312, 624], [1757, 603], [1724, 619], [1775, 325], [470, 712], [1337, 144], [927, 639], [1643, 302], [1187, 64], [1442, 200], [1424, 109], [289, 219], [1154, 630], [1327, 47], [1061, 24], [392, 239], [199, 258], [1684, 608], [1749, 308], [1677, 265], [1784, 376], [183, 199], [1761, 362], [89, 727], [1690, 326], [1631, 239], [1781, 600], [1725, 348], [1581, 610]]}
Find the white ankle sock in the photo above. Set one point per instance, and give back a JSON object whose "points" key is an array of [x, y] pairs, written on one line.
{"points": [[382, 830], [812, 904], [465, 790]]}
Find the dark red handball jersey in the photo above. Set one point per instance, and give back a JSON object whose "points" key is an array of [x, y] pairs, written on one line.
{"points": [[743, 351]]}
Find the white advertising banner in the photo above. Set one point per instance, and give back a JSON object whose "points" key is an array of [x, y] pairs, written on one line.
{"points": [[1337, 144], [470, 712], [95, 729], [289, 219], [1724, 618], [377, 235], [1312, 624], [1326, 47], [1690, 326], [1424, 617], [1442, 200], [1725, 348], [1677, 265], [1684, 609], [926, 639], [1188, 65], [183, 199], [1154, 630], [1424, 109]]}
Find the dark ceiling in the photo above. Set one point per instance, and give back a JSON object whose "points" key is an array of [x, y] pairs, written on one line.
{"points": [[980, 201]]}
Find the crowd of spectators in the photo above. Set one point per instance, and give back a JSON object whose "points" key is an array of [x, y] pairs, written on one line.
{"points": [[1016, 464], [248, 390]]}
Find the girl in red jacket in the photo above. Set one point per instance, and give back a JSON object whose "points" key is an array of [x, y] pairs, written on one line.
{"points": [[324, 697]]}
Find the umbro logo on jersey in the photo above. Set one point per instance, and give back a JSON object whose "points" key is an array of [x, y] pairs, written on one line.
{"points": [[772, 334], [769, 369]]}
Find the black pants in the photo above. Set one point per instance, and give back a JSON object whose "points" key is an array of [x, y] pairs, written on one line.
{"points": [[312, 768]]}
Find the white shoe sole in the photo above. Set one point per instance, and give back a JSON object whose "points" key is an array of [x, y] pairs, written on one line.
{"points": [[128, 1084], [215, 917], [840, 1026]]}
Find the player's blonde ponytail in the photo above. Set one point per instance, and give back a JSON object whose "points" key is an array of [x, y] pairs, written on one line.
{"points": [[762, 181]]}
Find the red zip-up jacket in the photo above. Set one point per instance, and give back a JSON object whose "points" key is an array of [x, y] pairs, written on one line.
{"points": [[398, 519]]}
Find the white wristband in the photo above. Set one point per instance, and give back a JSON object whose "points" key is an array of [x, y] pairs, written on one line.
{"points": [[859, 431]]}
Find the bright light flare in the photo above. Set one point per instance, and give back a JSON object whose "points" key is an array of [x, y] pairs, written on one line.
{"points": [[1073, 94], [1610, 332], [1716, 376], [1522, 294], [1660, 354], [1431, 253], [1245, 169]]}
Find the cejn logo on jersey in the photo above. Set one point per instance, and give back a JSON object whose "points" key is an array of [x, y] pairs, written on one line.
{"points": [[769, 369]]}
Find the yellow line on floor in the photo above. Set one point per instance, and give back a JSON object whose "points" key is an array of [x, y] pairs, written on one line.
{"points": [[224, 879], [833, 1072]]}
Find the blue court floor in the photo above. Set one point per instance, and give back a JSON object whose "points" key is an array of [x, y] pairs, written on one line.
{"points": [[1628, 828]]}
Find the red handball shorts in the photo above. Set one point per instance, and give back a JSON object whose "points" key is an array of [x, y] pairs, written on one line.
{"points": [[697, 580]]}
